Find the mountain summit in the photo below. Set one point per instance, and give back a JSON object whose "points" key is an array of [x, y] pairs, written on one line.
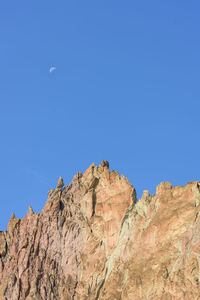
{"points": [[94, 240]]}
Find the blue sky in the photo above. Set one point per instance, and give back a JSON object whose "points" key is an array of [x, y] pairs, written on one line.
{"points": [[125, 89]]}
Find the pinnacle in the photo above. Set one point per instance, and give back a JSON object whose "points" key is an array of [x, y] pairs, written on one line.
{"points": [[104, 163], [30, 210], [60, 183]]}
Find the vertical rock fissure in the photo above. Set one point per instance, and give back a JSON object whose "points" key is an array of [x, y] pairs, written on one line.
{"points": [[93, 202], [75, 286], [101, 286]]}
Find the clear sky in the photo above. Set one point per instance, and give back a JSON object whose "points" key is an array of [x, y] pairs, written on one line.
{"points": [[126, 89]]}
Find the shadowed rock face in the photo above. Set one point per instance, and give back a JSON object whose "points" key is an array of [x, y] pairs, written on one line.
{"points": [[94, 240]]}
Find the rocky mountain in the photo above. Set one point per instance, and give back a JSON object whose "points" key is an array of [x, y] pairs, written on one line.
{"points": [[94, 240]]}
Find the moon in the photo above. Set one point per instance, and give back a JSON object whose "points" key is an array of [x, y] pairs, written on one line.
{"points": [[51, 69]]}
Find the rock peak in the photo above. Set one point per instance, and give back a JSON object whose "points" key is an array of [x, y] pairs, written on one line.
{"points": [[94, 240], [30, 210], [60, 183], [104, 163]]}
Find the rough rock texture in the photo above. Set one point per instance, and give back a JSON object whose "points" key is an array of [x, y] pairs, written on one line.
{"points": [[94, 240]]}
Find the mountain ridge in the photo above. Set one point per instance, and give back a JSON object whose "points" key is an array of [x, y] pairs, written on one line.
{"points": [[94, 240]]}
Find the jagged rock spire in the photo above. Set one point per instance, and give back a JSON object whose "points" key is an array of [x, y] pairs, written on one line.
{"points": [[60, 183], [30, 210]]}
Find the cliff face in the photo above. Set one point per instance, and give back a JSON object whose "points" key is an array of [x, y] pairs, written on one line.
{"points": [[94, 240]]}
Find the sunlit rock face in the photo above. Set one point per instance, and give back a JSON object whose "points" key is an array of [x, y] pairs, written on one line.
{"points": [[94, 240]]}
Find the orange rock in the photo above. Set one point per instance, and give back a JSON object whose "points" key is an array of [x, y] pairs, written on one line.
{"points": [[93, 240]]}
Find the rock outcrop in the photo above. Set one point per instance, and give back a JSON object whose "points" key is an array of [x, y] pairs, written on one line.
{"points": [[95, 240]]}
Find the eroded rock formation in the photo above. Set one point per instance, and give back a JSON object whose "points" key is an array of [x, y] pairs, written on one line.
{"points": [[94, 240]]}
